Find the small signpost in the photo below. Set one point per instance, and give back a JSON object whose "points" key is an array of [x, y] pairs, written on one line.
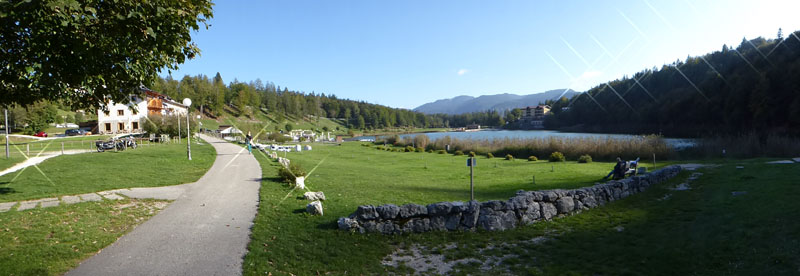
{"points": [[471, 163]]}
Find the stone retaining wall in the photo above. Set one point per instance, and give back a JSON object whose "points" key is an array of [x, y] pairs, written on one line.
{"points": [[523, 208]]}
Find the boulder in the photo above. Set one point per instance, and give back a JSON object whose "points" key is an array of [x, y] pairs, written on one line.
{"points": [[565, 205], [387, 227], [530, 214], [314, 208], [347, 224], [417, 225], [439, 209], [549, 196], [412, 210], [437, 223], [469, 217], [314, 196], [492, 220], [548, 210], [366, 212], [452, 221], [388, 211], [300, 182], [496, 205]]}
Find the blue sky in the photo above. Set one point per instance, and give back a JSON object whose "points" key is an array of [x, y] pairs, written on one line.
{"points": [[407, 53]]}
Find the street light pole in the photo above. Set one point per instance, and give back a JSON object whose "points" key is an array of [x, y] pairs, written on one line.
{"points": [[188, 102]]}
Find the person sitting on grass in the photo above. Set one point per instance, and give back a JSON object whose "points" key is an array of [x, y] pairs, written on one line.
{"points": [[621, 168]]}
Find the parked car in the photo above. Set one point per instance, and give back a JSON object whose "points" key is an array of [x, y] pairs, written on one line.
{"points": [[74, 132], [40, 134]]}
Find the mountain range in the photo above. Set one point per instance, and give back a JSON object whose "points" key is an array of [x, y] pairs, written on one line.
{"points": [[498, 102]]}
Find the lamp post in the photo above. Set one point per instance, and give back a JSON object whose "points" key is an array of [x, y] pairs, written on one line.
{"points": [[188, 102]]}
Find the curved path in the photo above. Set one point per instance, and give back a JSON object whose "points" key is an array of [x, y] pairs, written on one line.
{"points": [[204, 232]]}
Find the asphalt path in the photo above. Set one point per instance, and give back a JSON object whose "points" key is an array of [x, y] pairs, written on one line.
{"points": [[204, 232]]}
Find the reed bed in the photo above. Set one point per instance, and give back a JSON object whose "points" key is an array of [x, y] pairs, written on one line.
{"points": [[604, 149]]}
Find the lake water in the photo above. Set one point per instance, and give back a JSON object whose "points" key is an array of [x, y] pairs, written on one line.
{"points": [[530, 134]]}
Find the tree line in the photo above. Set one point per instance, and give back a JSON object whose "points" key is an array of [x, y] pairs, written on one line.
{"points": [[211, 96], [754, 87]]}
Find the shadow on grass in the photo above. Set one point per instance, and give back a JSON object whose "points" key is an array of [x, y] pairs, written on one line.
{"points": [[299, 211], [331, 225], [6, 190]]}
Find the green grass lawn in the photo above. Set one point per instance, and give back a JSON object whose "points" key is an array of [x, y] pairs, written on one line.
{"points": [[285, 239], [146, 166], [705, 230], [51, 241]]}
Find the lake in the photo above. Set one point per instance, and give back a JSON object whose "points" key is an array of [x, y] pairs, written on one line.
{"points": [[530, 134]]}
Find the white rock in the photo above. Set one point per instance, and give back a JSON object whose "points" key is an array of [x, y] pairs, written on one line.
{"points": [[314, 196], [300, 182], [314, 208], [781, 162]]}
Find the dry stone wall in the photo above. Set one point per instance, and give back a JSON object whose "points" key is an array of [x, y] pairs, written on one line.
{"points": [[525, 207]]}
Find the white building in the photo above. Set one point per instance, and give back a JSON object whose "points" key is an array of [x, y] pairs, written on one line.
{"points": [[127, 118]]}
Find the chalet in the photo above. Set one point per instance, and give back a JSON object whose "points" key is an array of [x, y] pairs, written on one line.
{"points": [[127, 118]]}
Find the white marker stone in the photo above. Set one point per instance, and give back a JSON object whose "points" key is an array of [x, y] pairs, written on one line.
{"points": [[300, 182]]}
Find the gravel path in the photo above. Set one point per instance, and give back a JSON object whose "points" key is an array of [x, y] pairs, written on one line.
{"points": [[204, 232]]}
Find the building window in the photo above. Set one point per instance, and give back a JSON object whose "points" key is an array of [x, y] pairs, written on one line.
{"points": [[121, 112], [108, 126], [135, 125], [121, 126]]}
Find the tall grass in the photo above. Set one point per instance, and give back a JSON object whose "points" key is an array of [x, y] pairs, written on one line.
{"points": [[572, 148]]}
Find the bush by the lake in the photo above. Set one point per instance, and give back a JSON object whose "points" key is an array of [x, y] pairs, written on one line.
{"points": [[599, 148], [489, 155], [420, 149], [533, 158], [556, 157], [471, 154], [509, 157], [458, 153], [585, 159], [288, 175], [442, 151], [410, 149]]}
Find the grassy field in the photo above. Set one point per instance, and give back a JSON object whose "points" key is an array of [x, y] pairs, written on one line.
{"points": [[285, 239], [705, 230], [146, 166], [53, 240]]}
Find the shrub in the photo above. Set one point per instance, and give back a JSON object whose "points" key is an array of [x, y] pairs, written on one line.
{"points": [[556, 157], [458, 153], [430, 150], [489, 155], [533, 158], [420, 149], [471, 154], [410, 149], [288, 175], [509, 157], [379, 148], [585, 159], [442, 151]]}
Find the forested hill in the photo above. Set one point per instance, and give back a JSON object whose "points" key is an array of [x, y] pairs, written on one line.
{"points": [[754, 87], [210, 96]]}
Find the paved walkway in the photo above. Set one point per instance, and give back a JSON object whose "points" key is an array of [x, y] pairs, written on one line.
{"points": [[204, 232]]}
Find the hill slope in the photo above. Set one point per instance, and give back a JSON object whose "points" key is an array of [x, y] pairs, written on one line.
{"points": [[498, 102]]}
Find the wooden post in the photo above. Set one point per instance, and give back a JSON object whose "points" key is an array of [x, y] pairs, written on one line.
{"points": [[471, 182], [62, 148], [6, 127], [28, 149], [654, 161]]}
